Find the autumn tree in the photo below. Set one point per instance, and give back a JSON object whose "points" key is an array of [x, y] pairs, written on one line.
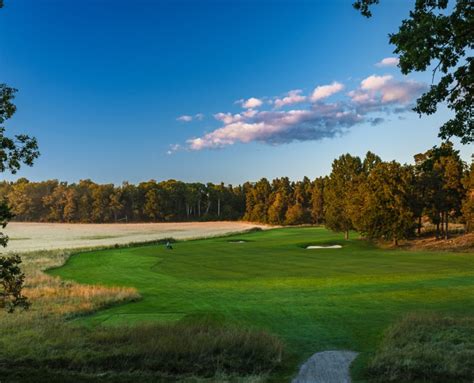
{"points": [[439, 36]]}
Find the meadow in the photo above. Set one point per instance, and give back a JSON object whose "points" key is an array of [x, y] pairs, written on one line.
{"points": [[37, 236], [312, 300]]}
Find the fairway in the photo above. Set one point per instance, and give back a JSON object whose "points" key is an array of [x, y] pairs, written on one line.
{"points": [[314, 300]]}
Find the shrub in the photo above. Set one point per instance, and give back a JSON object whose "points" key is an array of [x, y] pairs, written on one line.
{"points": [[426, 348]]}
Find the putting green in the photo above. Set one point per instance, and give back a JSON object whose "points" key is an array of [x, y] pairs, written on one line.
{"points": [[314, 300]]}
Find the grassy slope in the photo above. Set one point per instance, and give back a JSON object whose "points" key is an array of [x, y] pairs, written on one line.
{"points": [[313, 299]]}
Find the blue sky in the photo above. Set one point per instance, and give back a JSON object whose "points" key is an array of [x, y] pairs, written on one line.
{"points": [[102, 85]]}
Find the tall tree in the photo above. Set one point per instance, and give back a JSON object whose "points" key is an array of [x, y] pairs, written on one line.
{"points": [[468, 201], [442, 170], [441, 36], [385, 209], [14, 151], [339, 193]]}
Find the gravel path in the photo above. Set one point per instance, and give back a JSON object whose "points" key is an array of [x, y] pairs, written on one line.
{"points": [[326, 367]]}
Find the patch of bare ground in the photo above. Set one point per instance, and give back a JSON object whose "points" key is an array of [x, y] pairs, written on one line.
{"points": [[458, 243]]}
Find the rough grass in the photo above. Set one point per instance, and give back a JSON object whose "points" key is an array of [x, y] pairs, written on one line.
{"points": [[160, 350], [426, 348], [40, 345]]}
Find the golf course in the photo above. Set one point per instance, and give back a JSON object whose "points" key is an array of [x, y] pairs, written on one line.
{"points": [[311, 299]]}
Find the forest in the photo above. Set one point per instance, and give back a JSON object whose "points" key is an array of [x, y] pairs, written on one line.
{"points": [[380, 200]]}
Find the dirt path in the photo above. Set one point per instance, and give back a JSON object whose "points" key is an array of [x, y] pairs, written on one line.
{"points": [[326, 367]]}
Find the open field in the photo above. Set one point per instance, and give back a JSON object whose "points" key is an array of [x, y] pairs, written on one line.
{"points": [[26, 236], [313, 300]]}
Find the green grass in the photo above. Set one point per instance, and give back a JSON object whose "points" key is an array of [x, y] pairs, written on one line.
{"points": [[313, 300]]}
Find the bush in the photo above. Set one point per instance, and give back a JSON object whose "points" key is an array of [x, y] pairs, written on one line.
{"points": [[426, 348], [201, 348]]}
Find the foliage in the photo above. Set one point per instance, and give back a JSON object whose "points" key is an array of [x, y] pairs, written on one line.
{"points": [[468, 202], [442, 36], [422, 347], [440, 173], [11, 284], [340, 191], [385, 203]]}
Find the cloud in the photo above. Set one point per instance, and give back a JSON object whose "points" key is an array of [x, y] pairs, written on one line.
{"points": [[324, 91], [376, 92], [375, 82], [251, 103], [279, 127], [173, 148], [388, 61], [292, 97], [188, 118], [375, 97], [185, 118]]}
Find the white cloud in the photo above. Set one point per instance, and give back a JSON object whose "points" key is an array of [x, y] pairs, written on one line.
{"points": [[292, 97], [324, 91], [388, 61], [188, 118], [185, 118], [251, 103], [173, 148]]}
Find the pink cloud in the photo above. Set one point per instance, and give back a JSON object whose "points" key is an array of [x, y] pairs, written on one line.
{"points": [[324, 91], [293, 97], [388, 61], [252, 102]]}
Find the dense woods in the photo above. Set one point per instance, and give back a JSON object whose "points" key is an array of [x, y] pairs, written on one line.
{"points": [[378, 199]]}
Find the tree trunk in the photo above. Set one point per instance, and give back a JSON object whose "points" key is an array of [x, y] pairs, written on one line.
{"points": [[446, 233], [346, 235], [218, 207], [395, 241], [419, 226]]}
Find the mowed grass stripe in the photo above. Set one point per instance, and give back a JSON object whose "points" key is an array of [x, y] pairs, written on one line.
{"points": [[313, 299]]}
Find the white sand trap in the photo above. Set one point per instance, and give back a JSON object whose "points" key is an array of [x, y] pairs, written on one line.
{"points": [[237, 241], [326, 367], [324, 247]]}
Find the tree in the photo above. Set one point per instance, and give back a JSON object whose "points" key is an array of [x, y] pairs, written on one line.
{"points": [[11, 284], [317, 201], [468, 202], [339, 193], [443, 37], [442, 170], [14, 151], [385, 209]]}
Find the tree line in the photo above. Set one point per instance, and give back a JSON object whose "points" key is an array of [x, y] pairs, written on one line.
{"points": [[378, 199]]}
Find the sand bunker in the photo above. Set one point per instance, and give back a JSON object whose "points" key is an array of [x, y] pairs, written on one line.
{"points": [[237, 241], [324, 247]]}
